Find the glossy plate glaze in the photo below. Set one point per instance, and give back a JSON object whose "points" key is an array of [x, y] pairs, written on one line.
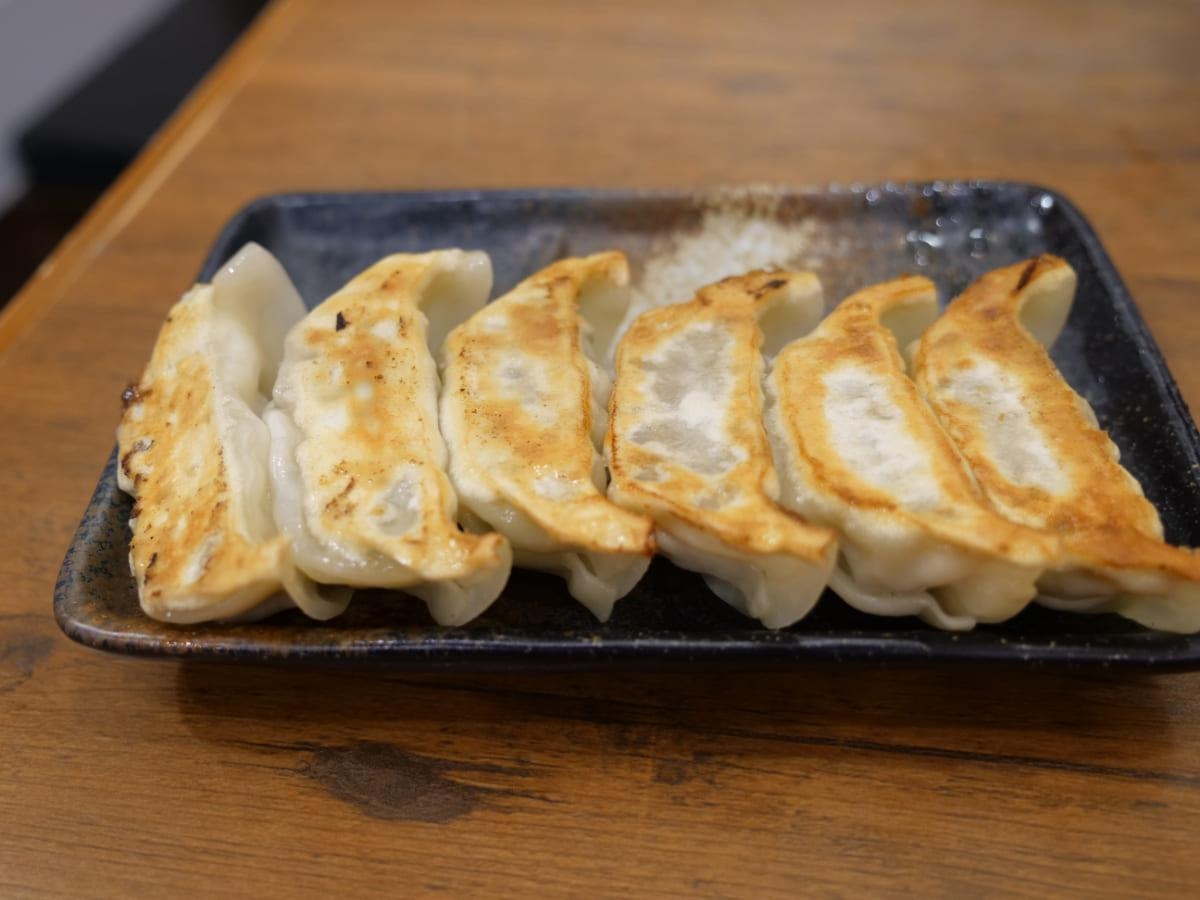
{"points": [[951, 232]]}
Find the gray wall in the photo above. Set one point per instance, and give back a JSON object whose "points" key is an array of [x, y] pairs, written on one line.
{"points": [[46, 48]]}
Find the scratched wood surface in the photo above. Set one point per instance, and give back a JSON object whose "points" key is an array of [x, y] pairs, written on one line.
{"points": [[122, 777]]}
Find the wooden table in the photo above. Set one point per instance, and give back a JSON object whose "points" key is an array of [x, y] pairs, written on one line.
{"points": [[122, 777]]}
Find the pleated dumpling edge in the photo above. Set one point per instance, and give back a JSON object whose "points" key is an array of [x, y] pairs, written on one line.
{"points": [[523, 409], [859, 451], [194, 455], [358, 460], [1039, 455], [686, 444]]}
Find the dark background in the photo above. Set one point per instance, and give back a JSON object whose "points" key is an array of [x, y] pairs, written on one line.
{"points": [[76, 147]]}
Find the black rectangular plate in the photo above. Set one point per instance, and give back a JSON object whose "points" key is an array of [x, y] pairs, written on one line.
{"points": [[950, 231]]}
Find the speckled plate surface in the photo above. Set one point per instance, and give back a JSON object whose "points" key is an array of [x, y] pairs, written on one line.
{"points": [[951, 232]]}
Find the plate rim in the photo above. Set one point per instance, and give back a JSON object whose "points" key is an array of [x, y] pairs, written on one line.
{"points": [[475, 654]]}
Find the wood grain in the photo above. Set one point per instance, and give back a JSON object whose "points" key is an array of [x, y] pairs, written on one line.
{"points": [[121, 777]]}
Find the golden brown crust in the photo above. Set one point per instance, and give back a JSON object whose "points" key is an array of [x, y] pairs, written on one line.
{"points": [[853, 341], [189, 538], [728, 493], [364, 389], [1079, 492], [511, 438]]}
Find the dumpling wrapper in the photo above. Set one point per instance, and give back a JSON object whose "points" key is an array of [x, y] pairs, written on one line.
{"points": [[357, 460], [194, 454], [523, 411], [686, 444], [1039, 455], [858, 450]]}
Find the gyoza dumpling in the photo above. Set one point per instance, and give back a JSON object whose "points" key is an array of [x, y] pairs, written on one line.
{"points": [[194, 454], [358, 464], [859, 451], [1038, 454], [686, 444], [523, 410]]}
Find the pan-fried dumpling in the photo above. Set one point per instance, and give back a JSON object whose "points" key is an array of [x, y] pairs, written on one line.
{"points": [[194, 453], [1038, 454], [859, 451], [357, 461], [523, 410], [686, 444]]}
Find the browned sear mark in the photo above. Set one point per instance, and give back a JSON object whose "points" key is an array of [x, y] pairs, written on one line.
{"points": [[341, 321], [1027, 274], [773, 285], [344, 491], [138, 447]]}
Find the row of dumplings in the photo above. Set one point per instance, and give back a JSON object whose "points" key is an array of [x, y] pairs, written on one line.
{"points": [[408, 434]]}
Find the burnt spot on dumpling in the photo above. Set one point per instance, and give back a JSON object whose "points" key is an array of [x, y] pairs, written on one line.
{"points": [[139, 446], [773, 285], [133, 393]]}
